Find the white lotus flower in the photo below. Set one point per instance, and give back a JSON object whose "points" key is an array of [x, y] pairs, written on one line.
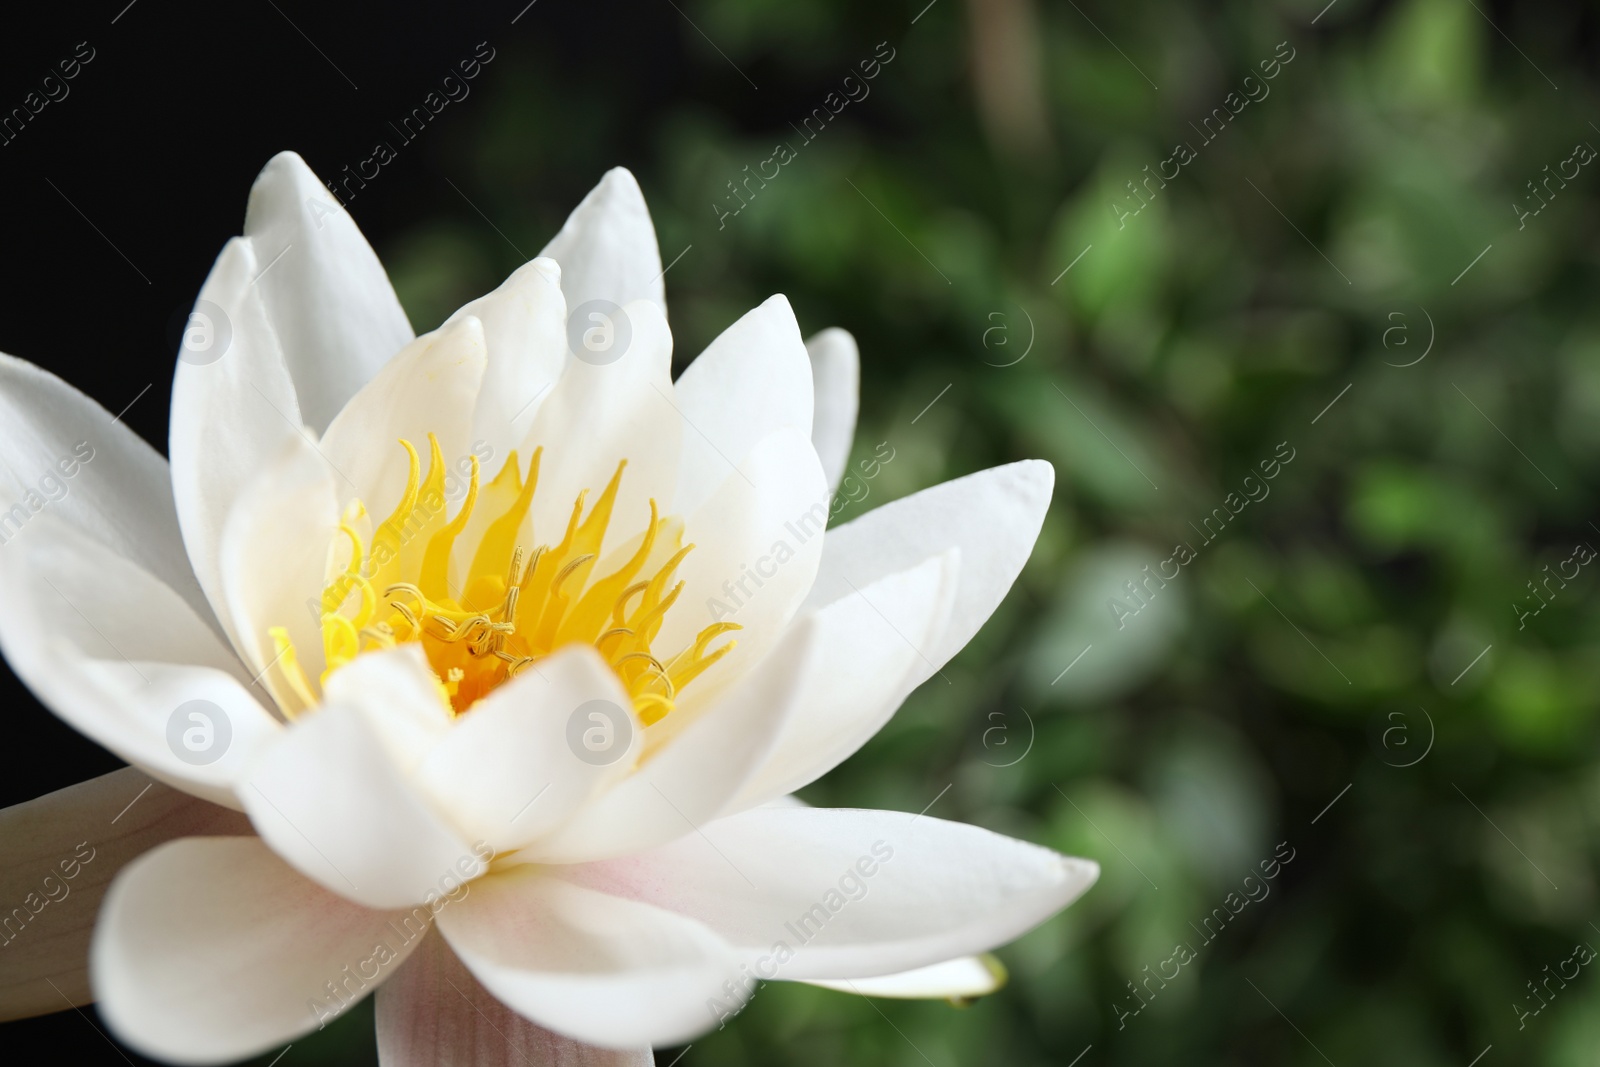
{"points": [[521, 738]]}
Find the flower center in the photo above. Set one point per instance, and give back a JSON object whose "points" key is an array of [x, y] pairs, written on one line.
{"points": [[515, 607]]}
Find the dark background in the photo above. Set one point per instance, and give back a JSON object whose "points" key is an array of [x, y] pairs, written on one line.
{"points": [[1289, 661]]}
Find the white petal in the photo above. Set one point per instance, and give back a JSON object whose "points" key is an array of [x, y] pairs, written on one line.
{"points": [[329, 799], [607, 249], [866, 649], [274, 556], [294, 318], [233, 406], [697, 773], [117, 654], [119, 491], [851, 893], [330, 301], [430, 387], [753, 380], [992, 516], [836, 382], [209, 950], [434, 1013], [524, 332], [65, 846], [962, 979], [394, 692], [599, 414], [597, 968], [507, 772], [758, 544]]}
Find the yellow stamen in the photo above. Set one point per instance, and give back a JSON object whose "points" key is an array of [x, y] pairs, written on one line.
{"points": [[389, 537], [494, 551], [695, 661], [289, 665], [513, 614], [436, 562], [650, 708]]}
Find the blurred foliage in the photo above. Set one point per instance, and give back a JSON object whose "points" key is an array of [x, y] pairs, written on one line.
{"points": [[1348, 639]]}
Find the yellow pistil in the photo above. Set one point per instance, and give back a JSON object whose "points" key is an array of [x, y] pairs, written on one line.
{"points": [[515, 611]]}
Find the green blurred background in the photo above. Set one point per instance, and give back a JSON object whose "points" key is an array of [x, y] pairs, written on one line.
{"points": [[1323, 639], [1341, 673]]}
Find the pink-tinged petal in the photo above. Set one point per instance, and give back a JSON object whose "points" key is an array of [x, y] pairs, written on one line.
{"points": [[849, 893], [836, 383], [57, 856], [434, 1013], [593, 967], [992, 516], [126, 661], [607, 249], [209, 950], [61, 451], [753, 380]]}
